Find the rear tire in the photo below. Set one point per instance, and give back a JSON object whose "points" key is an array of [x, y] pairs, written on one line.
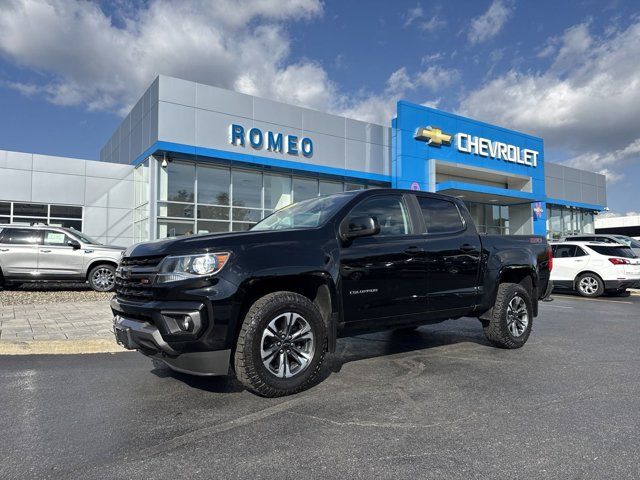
{"points": [[511, 318], [102, 278], [281, 345], [589, 285]]}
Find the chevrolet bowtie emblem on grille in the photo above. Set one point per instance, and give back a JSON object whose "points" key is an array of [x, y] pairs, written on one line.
{"points": [[433, 136]]}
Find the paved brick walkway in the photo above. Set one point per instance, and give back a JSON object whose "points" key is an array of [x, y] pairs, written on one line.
{"points": [[56, 321]]}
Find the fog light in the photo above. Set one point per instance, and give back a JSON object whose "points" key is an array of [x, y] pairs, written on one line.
{"points": [[186, 324]]}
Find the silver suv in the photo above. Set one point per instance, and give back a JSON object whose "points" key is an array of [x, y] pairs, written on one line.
{"points": [[41, 253]]}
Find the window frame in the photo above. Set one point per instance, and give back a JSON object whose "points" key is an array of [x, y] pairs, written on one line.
{"points": [[405, 203]]}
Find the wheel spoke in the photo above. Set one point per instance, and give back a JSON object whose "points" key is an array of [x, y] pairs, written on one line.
{"points": [[300, 357], [269, 355]]}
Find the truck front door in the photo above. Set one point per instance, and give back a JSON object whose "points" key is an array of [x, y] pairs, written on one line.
{"points": [[383, 275]]}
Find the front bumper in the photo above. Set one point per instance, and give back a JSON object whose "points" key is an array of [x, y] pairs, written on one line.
{"points": [[146, 338]]}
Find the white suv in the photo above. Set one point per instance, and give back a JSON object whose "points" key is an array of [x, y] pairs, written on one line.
{"points": [[591, 268]]}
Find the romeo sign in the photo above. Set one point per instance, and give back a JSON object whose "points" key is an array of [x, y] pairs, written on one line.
{"points": [[270, 141]]}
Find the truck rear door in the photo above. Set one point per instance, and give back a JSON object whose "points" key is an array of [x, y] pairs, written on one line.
{"points": [[453, 251]]}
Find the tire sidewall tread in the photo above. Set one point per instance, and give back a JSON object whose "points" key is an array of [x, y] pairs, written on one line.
{"points": [[496, 329], [248, 366]]}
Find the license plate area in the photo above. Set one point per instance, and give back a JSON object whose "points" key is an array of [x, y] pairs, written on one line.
{"points": [[123, 337]]}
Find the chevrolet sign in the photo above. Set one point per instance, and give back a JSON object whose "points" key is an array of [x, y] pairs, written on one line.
{"points": [[482, 147]]}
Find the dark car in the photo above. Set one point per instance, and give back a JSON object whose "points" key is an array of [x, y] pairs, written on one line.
{"points": [[272, 301]]}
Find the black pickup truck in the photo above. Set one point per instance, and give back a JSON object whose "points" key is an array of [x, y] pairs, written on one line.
{"points": [[270, 302]]}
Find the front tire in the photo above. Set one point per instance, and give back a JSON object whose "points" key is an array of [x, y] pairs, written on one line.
{"points": [[511, 318], [102, 278], [589, 285], [281, 345]]}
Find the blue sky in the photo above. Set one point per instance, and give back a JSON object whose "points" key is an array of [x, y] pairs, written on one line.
{"points": [[566, 71]]}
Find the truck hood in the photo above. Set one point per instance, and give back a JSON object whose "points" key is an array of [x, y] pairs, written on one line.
{"points": [[210, 242]]}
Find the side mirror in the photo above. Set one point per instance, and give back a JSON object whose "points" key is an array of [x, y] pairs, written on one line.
{"points": [[356, 227], [74, 244]]}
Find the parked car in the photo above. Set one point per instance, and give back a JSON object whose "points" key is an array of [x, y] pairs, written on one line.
{"points": [[40, 253], [592, 268], [271, 301], [606, 238]]}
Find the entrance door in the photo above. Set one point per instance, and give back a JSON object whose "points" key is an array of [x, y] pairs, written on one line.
{"points": [[383, 275]]}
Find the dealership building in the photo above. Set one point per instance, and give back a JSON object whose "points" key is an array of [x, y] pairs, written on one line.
{"points": [[193, 158]]}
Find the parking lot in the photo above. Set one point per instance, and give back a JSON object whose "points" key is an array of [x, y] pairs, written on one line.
{"points": [[436, 403]]}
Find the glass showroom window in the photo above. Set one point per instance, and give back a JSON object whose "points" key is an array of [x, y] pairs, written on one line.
{"points": [[213, 194], [563, 221], [28, 213], [141, 202], [176, 199], [207, 198], [490, 219]]}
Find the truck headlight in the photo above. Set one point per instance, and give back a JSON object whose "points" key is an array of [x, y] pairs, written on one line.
{"points": [[182, 267]]}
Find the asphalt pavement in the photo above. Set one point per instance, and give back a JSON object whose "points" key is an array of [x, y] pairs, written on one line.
{"points": [[436, 403]]}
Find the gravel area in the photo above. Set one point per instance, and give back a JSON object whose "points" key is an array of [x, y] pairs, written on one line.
{"points": [[51, 293]]}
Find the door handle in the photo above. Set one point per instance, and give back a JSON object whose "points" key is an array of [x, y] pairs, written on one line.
{"points": [[4, 249], [45, 251], [414, 250], [468, 248]]}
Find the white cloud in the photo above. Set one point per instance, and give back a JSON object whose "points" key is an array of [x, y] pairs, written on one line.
{"points": [[490, 23], [433, 24], [84, 58], [381, 108], [412, 15], [585, 103]]}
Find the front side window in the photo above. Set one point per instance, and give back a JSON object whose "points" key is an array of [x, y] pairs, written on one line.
{"points": [[388, 210], [56, 239], [441, 216], [20, 236]]}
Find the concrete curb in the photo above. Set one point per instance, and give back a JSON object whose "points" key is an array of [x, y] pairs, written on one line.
{"points": [[59, 347]]}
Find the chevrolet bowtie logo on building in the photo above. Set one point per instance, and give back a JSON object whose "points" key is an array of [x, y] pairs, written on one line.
{"points": [[433, 136]]}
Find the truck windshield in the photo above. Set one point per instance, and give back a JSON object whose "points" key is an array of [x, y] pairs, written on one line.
{"points": [[306, 214]]}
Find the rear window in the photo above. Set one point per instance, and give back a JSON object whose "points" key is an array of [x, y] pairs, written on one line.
{"points": [[612, 251], [20, 236], [441, 216]]}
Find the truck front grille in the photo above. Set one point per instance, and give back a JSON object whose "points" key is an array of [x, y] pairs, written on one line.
{"points": [[147, 262], [135, 277], [133, 290]]}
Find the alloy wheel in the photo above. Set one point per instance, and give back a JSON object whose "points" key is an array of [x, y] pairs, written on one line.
{"points": [[588, 285], [517, 316], [103, 279], [287, 345]]}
